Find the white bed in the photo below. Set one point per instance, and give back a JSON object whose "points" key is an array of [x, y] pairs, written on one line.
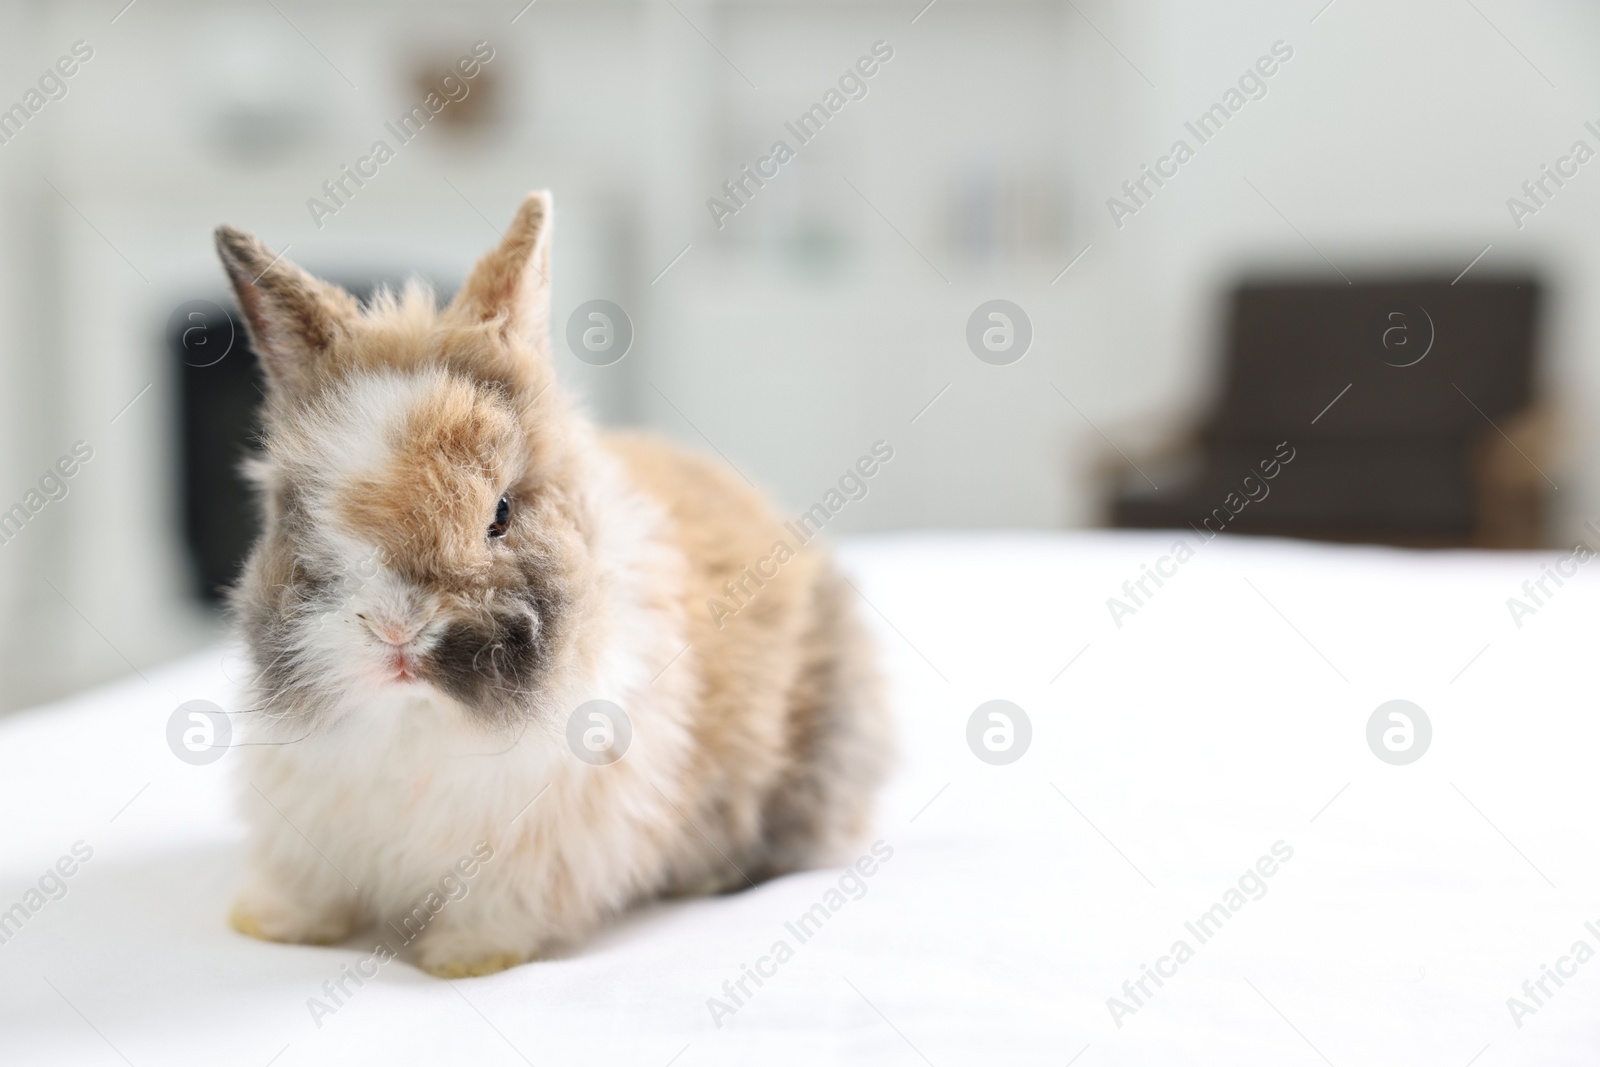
{"points": [[1225, 715]]}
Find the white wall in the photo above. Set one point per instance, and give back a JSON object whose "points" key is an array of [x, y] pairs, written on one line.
{"points": [[1391, 141], [806, 328]]}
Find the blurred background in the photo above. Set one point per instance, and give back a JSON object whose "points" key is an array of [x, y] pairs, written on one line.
{"points": [[1177, 331]]}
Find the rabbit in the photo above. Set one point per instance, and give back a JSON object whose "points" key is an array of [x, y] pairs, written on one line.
{"points": [[455, 564]]}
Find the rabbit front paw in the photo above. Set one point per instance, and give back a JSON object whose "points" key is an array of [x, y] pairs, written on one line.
{"points": [[475, 968], [270, 916], [456, 954]]}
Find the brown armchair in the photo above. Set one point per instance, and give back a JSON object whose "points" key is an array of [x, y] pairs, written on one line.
{"points": [[1397, 413]]}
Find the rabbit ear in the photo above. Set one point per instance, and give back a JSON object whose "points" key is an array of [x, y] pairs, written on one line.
{"points": [[293, 318], [512, 283]]}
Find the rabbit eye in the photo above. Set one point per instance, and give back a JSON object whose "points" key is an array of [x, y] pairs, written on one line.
{"points": [[502, 518]]}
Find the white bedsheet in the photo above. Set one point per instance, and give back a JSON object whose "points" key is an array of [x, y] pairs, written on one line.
{"points": [[1228, 713]]}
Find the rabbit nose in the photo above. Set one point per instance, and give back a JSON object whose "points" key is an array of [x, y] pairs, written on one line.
{"points": [[392, 631]]}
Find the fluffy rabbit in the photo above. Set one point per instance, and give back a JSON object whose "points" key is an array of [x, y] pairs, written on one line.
{"points": [[455, 562]]}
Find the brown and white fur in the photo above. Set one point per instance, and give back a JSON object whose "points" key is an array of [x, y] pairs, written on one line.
{"points": [[415, 675]]}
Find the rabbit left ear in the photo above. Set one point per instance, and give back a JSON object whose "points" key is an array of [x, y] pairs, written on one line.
{"points": [[293, 318], [512, 283]]}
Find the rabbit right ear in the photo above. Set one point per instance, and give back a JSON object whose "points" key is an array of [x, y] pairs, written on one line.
{"points": [[511, 284], [293, 318]]}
